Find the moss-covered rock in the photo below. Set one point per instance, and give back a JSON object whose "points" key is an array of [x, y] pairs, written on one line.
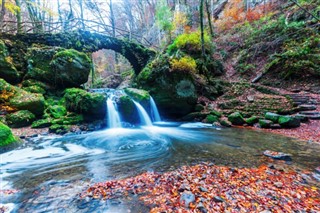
{"points": [[174, 91], [127, 109], [59, 129], [58, 67], [6, 136], [265, 123], [56, 111], [195, 116], [42, 123], [20, 118], [236, 119], [33, 102], [289, 121], [272, 117], [252, 120], [7, 68], [71, 68], [91, 106], [138, 94], [35, 89], [216, 113], [225, 123], [211, 119], [199, 108]]}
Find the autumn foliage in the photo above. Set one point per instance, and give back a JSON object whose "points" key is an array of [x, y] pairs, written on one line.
{"points": [[235, 13], [216, 189]]}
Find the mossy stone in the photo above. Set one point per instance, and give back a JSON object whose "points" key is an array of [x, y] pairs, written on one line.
{"points": [[127, 109], [211, 119], [225, 123], [265, 123], [272, 117], [236, 119], [289, 121], [35, 89], [6, 136], [42, 123], [59, 129], [20, 118], [216, 113], [92, 106], [33, 102], [195, 116], [138, 94], [252, 120], [7, 68], [56, 111]]}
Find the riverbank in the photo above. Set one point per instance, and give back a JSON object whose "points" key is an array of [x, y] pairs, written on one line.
{"points": [[211, 188]]}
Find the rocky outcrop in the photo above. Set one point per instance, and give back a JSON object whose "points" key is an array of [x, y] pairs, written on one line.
{"points": [[7, 69]]}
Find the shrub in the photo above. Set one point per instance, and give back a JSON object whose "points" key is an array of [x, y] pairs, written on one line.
{"points": [[184, 64], [190, 43]]}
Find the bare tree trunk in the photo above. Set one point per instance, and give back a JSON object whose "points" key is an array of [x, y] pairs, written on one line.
{"points": [[18, 15], [2, 12], [81, 14], [202, 28], [113, 23], [209, 18]]}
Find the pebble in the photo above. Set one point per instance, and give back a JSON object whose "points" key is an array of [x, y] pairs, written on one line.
{"points": [[218, 199], [187, 197]]}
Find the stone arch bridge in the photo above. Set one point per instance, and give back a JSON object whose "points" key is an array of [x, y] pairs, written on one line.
{"points": [[85, 41]]}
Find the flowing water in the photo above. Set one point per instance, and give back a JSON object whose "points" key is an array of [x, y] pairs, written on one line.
{"points": [[154, 111], [113, 114], [143, 115], [49, 171]]}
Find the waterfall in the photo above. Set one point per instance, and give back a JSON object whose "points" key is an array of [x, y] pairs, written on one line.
{"points": [[143, 115], [114, 120], [154, 111]]}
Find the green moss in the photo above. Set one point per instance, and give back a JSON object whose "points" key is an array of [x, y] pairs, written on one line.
{"points": [[8, 70], [21, 118], [91, 106], [42, 123], [265, 123], [6, 136], [252, 120], [211, 119], [216, 113], [138, 94], [236, 119], [59, 129], [35, 89], [56, 111], [33, 102]]}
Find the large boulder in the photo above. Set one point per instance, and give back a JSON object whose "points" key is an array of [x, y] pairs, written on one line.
{"points": [[289, 121], [272, 117], [92, 106], [7, 70], [58, 67], [174, 91], [32, 102], [6, 136], [14, 98], [19, 119]]}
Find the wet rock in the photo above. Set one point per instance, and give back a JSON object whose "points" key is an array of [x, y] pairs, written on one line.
{"points": [[277, 155], [187, 198], [306, 107], [275, 126], [201, 207], [317, 169]]}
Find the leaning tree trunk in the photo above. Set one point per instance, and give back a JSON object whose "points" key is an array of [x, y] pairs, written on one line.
{"points": [[18, 16], [209, 18]]}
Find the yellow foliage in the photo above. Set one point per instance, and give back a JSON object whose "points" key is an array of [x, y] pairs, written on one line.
{"points": [[180, 20], [184, 64]]}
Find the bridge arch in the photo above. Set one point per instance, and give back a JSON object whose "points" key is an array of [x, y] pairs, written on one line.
{"points": [[85, 41]]}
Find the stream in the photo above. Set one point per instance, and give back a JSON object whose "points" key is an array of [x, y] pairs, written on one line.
{"points": [[50, 171]]}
